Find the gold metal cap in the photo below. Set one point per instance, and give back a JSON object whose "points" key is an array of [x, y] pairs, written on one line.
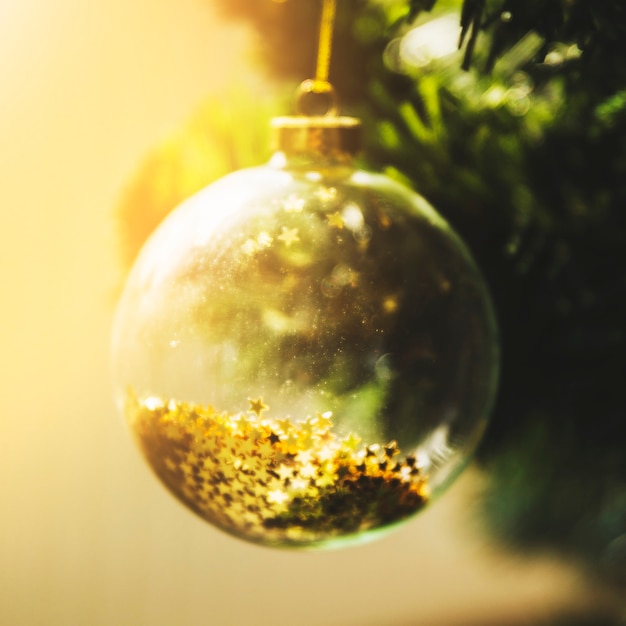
{"points": [[327, 135]]}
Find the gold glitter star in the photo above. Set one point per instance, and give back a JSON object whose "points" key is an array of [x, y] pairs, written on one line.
{"points": [[153, 403], [372, 451], [221, 428], [352, 441], [325, 480], [281, 456], [308, 425], [335, 220], [304, 456], [251, 518], [293, 204], [257, 465], [172, 431], [229, 471], [273, 438], [299, 484], [186, 468], [391, 449], [192, 459], [278, 496], [228, 446], [245, 447], [284, 425], [264, 239], [326, 453], [257, 406], [285, 472], [306, 440], [250, 247], [323, 421], [266, 449], [288, 236], [204, 475], [308, 471], [291, 442], [278, 508], [326, 195], [405, 473]]}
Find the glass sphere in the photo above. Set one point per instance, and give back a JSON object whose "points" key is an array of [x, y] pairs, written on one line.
{"points": [[305, 352]]}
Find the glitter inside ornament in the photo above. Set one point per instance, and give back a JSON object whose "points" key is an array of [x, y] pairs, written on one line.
{"points": [[305, 351]]}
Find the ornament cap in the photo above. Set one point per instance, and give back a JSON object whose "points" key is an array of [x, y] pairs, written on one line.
{"points": [[328, 135]]}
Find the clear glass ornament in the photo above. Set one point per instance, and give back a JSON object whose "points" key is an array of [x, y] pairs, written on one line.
{"points": [[305, 351]]}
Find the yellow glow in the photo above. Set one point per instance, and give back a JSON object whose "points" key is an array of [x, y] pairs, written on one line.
{"points": [[86, 536]]}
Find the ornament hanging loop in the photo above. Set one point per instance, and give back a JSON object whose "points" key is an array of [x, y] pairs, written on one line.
{"points": [[316, 97], [317, 129]]}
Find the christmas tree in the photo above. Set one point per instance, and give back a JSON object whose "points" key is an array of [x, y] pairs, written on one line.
{"points": [[517, 134]]}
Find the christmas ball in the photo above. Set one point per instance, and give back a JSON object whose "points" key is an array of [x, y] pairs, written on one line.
{"points": [[305, 351]]}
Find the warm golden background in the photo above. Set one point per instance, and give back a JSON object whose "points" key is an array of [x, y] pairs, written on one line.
{"points": [[87, 536]]}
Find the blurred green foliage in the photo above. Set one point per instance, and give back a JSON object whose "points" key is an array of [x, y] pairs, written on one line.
{"points": [[524, 152]]}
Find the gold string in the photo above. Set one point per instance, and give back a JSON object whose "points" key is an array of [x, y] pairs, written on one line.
{"points": [[327, 24]]}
